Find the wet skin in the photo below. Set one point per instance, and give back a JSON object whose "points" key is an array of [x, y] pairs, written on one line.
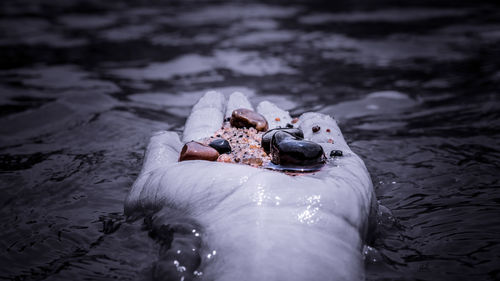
{"points": [[235, 222]]}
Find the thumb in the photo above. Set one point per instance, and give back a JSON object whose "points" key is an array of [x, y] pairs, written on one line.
{"points": [[163, 148]]}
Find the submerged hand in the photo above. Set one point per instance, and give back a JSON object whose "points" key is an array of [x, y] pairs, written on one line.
{"points": [[222, 221]]}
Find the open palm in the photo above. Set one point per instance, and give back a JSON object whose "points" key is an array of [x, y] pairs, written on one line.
{"points": [[222, 221]]}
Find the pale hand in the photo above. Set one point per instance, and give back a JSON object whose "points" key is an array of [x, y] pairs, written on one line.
{"points": [[223, 221]]}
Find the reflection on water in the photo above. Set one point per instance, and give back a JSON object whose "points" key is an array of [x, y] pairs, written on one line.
{"points": [[84, 85]]}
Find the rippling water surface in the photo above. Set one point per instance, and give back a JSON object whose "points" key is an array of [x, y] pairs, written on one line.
{"points": [[84, 84]]}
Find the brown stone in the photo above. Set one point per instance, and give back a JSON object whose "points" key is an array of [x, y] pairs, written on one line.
{"points": [[247, 118], [196, 151]]}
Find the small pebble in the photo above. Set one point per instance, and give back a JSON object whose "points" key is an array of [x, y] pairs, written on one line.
{"points": [[328, 130], [221, 145], [198, 151], [336, 153], [288, 125], [277, 119], [330, 140], [254, 161], [245, 118], [295, 120], [224, 158], [316, 129]]}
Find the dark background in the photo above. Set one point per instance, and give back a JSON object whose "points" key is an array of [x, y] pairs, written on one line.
{"points": [[83, 84]]}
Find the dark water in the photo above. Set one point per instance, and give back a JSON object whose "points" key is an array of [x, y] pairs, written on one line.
{"points": [[84, 83]]}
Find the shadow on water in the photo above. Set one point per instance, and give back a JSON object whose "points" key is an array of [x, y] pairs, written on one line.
{"points": [[84, 84]]}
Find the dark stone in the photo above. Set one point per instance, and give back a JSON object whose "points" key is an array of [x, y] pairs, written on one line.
{"points": [[198, 151], [221, 145], [267, 137], [289, 150], [316, 129], [288, 125], [336, 153], [245, 118]]}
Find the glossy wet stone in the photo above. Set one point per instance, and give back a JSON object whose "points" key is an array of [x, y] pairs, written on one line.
{"points": [[267, 137], [247, 118], [336, 153], [221, 145], [289, 150], [197, 151], [316, 129]]}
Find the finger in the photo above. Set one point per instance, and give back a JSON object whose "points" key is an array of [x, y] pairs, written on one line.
{"points": [[163, 149], [275, 116], [206, 117], [326, 131], [237, 100]]}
